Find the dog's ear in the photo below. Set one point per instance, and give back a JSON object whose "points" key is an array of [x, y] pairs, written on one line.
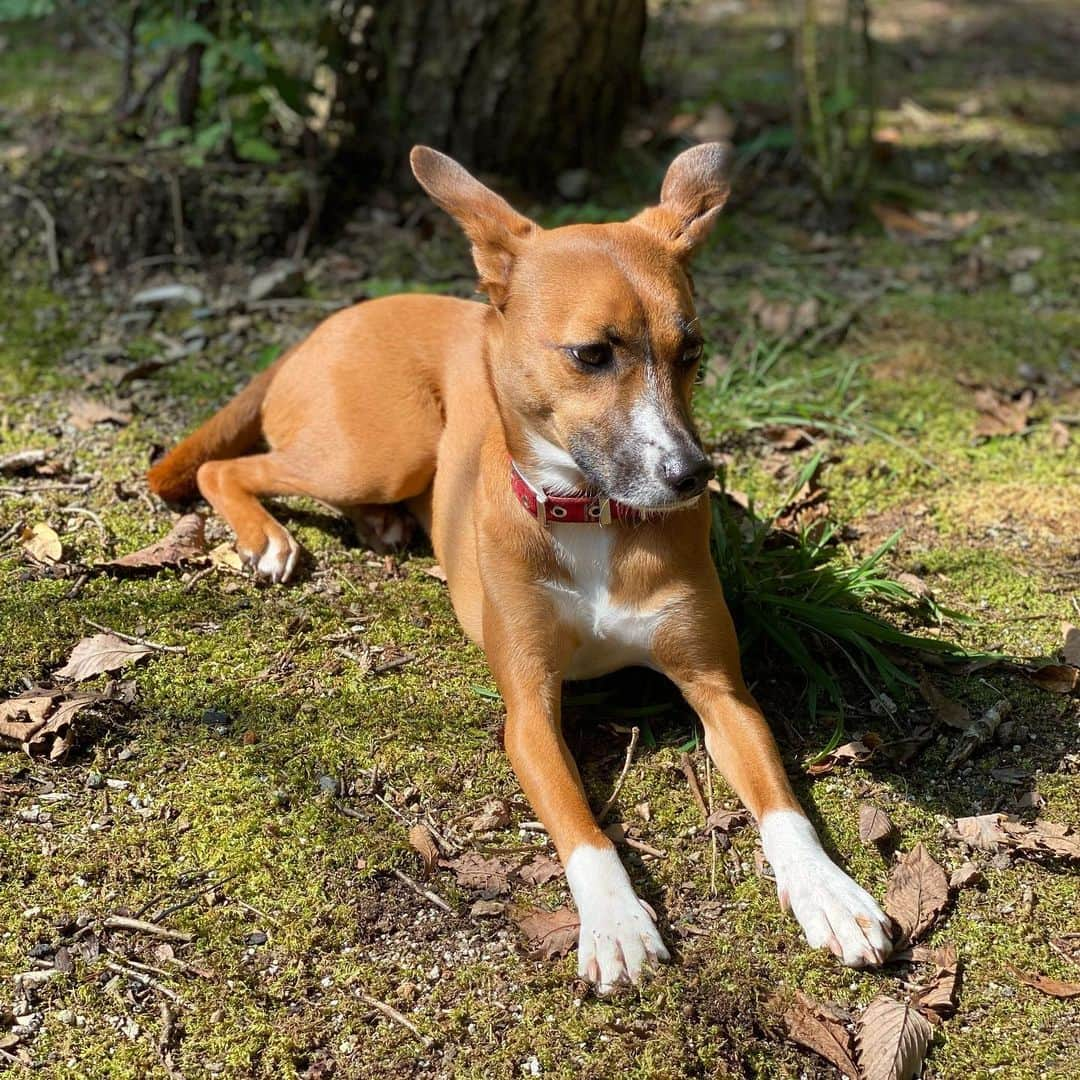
{"points": [[494, 227], [695, 189]]}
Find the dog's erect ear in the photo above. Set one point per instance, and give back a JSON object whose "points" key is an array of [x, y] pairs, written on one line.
{"points": [[695, 189], [495, 228]]}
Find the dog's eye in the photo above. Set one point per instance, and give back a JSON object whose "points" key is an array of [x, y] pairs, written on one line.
{"points": [[692, 356], [592, 356]]}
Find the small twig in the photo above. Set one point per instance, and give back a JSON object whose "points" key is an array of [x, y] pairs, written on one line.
{"points": [[390, 665], [419, 889], [165, 1040], [176, 202], [645, 849], [181, 649], [198, 576], [145, 980], [392, 1014], [78, 586], [164, 913], [712, 838], [84, 512], [47, 220], [347, 811], [141, 926], [687, 767], [634, 733]]}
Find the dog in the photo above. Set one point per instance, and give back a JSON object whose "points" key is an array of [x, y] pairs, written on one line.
{"points": [[545, 441]]}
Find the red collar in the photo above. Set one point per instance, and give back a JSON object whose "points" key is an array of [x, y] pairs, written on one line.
{"points": [[568, 509]]}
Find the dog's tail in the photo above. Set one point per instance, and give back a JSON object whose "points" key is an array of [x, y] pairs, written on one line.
{"points": [[230, 432]]}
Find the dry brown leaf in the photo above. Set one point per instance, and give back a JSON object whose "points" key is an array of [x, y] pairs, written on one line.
{"points": [[787, 439], [727, 821], [41, 542], [918, 892], [486, 909], [937, 999], [41, 722], [488, 877], [780, 318], [944, 709], [423, 843], [989, 832], [1070, 648], [185, 543], [892, 1040], [102, 652], [1057, 678], [875, 826], [226, 557], [821, 1028], [1054, 987], [914, 585], [965, 874], [84, 413], [1000, 414], [435, 571], [900, 222], [494, 815], [550, 934], [856, 752], [540, 870]]}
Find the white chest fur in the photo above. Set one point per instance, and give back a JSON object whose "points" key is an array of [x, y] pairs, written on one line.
{"points": [[611, 636]]}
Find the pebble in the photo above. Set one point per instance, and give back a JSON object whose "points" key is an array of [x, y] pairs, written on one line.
{"points": [[1023, 284], [328, 784], [256, 938]]}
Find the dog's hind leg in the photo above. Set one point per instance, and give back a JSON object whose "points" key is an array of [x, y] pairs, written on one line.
{"points": [[233, 489]]}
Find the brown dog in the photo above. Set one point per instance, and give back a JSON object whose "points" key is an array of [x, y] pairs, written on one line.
{"points": [[545, 441]]}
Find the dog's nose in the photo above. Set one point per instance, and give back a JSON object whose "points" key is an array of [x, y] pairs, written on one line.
{"points": [[687, 477]]}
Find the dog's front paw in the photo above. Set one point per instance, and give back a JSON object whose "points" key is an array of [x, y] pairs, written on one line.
{"points": [[618, 948], [273, 555], [834, 912], [618, 938]]}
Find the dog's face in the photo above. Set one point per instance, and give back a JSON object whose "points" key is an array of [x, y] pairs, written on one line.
{"points": [[598, 341]]}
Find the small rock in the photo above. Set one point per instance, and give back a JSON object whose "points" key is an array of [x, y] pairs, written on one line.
{"points": [[65, 1016], [174, 295], [257, 937], [1022, 258], [282, 279], [328, 784], [1023, 284], [573, 184], [216, 718], [94, 780]]}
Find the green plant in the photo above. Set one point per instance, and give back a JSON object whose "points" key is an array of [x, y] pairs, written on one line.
{"points": [[800, 598]]}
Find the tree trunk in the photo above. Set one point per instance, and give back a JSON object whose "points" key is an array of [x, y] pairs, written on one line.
{"points": [[525, 88]]}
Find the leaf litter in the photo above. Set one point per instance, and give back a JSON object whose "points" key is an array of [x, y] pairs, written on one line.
{"points": [[917, 894], [98, 654], [184, 544]]}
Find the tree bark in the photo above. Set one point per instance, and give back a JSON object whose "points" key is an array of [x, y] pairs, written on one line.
{"points": [[525, 88]]}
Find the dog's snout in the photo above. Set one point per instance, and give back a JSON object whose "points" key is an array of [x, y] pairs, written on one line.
{"points": [[687, 476]]}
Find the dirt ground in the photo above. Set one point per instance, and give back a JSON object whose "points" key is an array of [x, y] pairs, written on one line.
{"points": [[249, 784]]}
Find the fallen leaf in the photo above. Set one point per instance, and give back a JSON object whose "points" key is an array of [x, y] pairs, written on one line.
{"points": [[41, 542], [1057, 678], [855, 752], [944, 709], [226, 557], [982, 831], [540, 870], [185, 543], [486, 909], [550, 934], [899, 222], [494, 815], [937, 999], [915, 585], [918, 892], [41, 722], [435, 571], [821, 1028], [965, 874], [102, 652], [84, 413], [1070, 649], [782, 318], [1053, 987], [892, 1040], [1000, 415], [25, 462], [875, 826], [423, 843], [726, 821], [488, 877], [787, 438]]}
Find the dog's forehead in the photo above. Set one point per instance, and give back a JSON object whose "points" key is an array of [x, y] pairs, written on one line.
{"points": [[606, 277]]}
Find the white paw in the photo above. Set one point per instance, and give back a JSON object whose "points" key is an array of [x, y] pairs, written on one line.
{"points": [[618, 938], [278, 558], [834, 912]]}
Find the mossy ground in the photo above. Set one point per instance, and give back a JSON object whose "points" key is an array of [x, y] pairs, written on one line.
{"points": [[227, 743]]}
